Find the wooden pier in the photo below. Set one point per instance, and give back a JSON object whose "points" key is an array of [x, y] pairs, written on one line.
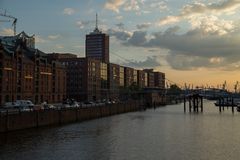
{"points": [[194, 101], [225, 103]]}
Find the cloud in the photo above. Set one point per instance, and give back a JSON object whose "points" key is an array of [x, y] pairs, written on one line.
{"points": [[169, 20], [183, 62], [132, 5], [53, 37], [79, 46], [212, 24], [211, 43], [83, 24], [162, 5], [143, 26], [150, 62], [7, 32], [69, 11], [59, 46], [120, 25], [114, 5], [198, 8], [127, 5], [138, 38], [39, 39], [119, 34], [119, 17]]}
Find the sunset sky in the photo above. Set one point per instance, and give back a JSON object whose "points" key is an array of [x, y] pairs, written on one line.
{"points": [[196, 41]]}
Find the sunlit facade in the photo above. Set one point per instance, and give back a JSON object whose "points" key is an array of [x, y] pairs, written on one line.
{"points": [[29, 74]]}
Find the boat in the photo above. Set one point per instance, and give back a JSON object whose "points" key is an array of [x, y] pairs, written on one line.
{"points": [[228, 102]]}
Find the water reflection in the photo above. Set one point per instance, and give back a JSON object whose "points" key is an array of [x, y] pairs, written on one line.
{"points": [[164, 133]]}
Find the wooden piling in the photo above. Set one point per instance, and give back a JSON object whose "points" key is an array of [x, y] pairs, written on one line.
{"points": [[232, 105], [194, 102], [190, 104], [184, 101], [220, 103], [223, 104]]}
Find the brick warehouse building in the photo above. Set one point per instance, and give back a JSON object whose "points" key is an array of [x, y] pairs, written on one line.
{"points": [[87, 78], [28, 73]]}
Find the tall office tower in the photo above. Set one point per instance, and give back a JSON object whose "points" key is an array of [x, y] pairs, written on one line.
{"points": [[97, 45]]}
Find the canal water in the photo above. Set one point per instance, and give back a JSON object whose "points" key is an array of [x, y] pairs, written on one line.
{"points": [[166, 133]]}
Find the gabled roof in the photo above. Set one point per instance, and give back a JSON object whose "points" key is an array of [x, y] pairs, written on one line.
{"points": [[12, 40]]}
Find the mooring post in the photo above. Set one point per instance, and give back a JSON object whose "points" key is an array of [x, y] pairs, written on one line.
{"points": [[190, 104], [220, 110], [201, 104], [223, 104], [184, 101], [232, 105], [197, 99], [194, 104]]}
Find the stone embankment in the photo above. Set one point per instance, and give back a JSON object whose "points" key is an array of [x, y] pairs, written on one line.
{"points": [[24, 120]]}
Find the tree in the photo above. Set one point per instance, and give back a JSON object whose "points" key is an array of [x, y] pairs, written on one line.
{"points": [[174, 90]]}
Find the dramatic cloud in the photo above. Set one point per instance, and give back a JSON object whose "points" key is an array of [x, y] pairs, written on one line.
{"points": [[69, 11], [114, 5], [119, 34], [138, 38], [7, 32], [213, 45], [150, 62], [198, 8], [212, 24]]}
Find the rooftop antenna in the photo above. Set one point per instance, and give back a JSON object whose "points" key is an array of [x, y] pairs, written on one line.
{"points": [[96, 30], [96, 21]]}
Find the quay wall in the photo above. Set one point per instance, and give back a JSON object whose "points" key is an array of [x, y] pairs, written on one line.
{"points": [[24, 120]]}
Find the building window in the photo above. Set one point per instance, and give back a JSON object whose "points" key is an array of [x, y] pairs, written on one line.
{"points": [[7, 98]]}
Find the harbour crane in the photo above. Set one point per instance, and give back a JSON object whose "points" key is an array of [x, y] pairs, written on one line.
{"points": [[224, 85], [14, 23], [4, 20], [236, 87]]}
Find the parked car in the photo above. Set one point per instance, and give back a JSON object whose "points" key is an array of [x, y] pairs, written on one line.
{"points": [[25, 103], [9, 105], [75, 104], [47, 106]]}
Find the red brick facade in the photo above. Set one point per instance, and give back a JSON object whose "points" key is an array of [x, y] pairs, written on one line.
{"points": [[27, 73]]}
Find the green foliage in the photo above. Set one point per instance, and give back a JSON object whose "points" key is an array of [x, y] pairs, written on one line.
{"points": [[174, 90]]}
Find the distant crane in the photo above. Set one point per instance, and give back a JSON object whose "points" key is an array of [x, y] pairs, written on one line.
{"points": [[236, 87], [14, 23], [4, 20], [224, 85]]}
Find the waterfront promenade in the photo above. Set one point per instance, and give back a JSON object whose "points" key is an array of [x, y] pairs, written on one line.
{"points": [[164, 133]]}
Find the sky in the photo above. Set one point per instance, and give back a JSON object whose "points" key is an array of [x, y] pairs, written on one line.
{"points": [[192, 41]]}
